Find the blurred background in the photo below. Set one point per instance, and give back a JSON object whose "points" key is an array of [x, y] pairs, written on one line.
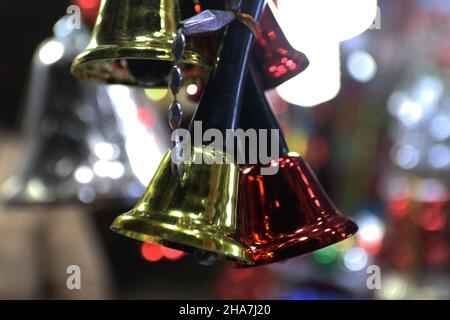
{"points": [[371, 115]]}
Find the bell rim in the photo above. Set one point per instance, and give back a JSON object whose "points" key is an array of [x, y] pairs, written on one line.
{"points": [[83, 65], [239, 252], [312, 244]]}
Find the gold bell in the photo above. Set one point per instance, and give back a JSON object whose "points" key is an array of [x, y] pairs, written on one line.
{"points": [[197, 212], [132, 44], [195, 209]]}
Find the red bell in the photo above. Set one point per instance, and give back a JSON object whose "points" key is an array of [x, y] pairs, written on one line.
{"points": [[287, 214], [276, 59]]}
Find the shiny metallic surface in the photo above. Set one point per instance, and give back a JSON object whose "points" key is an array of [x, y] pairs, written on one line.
{"points": [[220, 106], [197, 212], [178, 46], [275, 58], [287, 214], [207, 21], [75, 152], [143, 127], [196, 207], [175, 115], [132, 44], [175, 80]]}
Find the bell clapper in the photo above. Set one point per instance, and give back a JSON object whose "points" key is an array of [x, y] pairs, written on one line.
{"points": [[205, 258]]}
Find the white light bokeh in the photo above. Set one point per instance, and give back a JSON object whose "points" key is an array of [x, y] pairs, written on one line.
{"points": [[64, 167], [361, 66], [430, 190], [84, 174], [320, 82], [141, 145], [109, 169], [440, 127], [396, 99], [428, 91], [407, 156], [439, 156], [86, 194], [192, 89], [36, 189], [410, 113], [51, 52], [393, 288], [306, 21], [355, 259], [106, 151], [371, 228], [316, 28]]}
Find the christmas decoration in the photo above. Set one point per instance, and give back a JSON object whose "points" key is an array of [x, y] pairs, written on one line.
{"points": [[288, 213], [208, 220], [76, 152], [199, 212], [302, 220], [138, 49]]}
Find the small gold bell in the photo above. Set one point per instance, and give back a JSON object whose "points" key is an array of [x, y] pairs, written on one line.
{"points": [[132, 44], [197, 212]]}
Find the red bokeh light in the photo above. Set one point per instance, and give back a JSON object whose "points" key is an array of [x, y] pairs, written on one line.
{"points": [[147, 116], [403, 256], [151, 252], [89, 10], [172, 254], [436, 252], [433, 219], [240, 275], [398, 208], [155, 252], [88, 4], [371, 247]]}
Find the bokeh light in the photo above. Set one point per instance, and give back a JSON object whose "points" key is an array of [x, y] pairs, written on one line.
{"points": [[362, 66]]}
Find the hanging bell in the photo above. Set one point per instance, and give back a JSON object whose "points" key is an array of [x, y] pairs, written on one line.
{"points": [[276, 61], [75, 149], [199, 212], [132, 44], [275, 58], [288, 213], [195, 209]]}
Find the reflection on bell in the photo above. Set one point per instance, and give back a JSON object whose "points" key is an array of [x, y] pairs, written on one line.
{"points": [[276, 60], [287, 214], [132, 44], [75, 149], [199, 212]]}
